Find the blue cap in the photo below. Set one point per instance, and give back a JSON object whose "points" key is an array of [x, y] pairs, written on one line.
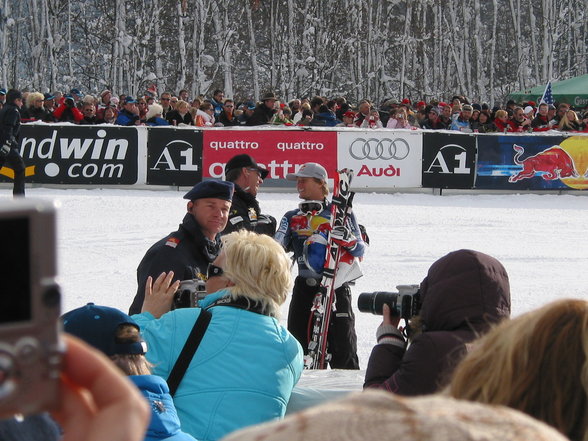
{"points": [[211, 189], [48, 96], [3, 91], [129, 100], [97, 326], [75, 92], [250, 105]]}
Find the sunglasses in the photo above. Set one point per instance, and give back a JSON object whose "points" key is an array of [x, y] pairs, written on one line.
{"points": [[164, 99], [310, 207], [213, 271]]}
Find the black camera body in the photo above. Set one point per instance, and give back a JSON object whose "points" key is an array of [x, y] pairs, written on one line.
{"points": [[405, 303], [31, 350], [189, 293]]}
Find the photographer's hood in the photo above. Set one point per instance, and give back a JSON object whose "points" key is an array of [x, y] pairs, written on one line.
{"points": [[465, 288]]}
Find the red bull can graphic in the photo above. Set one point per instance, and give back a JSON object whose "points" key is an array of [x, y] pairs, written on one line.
{"points": [[552, 163]]}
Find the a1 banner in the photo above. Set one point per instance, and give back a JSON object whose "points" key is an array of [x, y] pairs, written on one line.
{"points": [[174, 156], [449, 160], [382, 159], [56, 154], [513, 162], [280, 151]]}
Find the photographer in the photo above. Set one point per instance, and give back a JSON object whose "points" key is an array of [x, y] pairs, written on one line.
{"points": [[9, 131], [67, 111], [246, 365], [188, 251], [464, 293]]}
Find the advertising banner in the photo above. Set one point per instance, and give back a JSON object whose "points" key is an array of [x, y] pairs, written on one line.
{"points": [[174, 156], [532, 162], [382, 159], [449, 160], [280, 151], [98, 155]]}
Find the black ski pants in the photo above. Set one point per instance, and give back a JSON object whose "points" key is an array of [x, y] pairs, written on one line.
{"points": [[342, 340], [15, 162]]}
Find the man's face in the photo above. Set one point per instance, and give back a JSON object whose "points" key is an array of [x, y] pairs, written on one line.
{"points": [[364, 108], [219, 97], [432, 115], [467, 114], [254, 180], [88, 111], [165, 99], [106, 97], [184, 95], [131, 107], [309, 189], [519, 115], [269, 103], [543, 110], [447, 111], [229, 106], [211, 214]]}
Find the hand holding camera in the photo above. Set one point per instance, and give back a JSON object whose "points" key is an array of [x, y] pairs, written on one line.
{"points": [[159, 294]]}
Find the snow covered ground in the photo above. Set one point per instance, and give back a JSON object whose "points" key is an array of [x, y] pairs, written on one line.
{"points": [[541, 240]]}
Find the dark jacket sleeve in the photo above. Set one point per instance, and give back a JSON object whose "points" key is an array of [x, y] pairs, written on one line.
{"points": [[421, 370]]}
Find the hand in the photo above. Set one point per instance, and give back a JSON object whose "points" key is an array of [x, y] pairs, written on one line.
{"points": [[344, 237], [389, 318], [159, 294], [94, 396], [4, 151]]}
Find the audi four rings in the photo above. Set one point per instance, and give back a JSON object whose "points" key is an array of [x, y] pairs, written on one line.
{"points": [[374, 148]]}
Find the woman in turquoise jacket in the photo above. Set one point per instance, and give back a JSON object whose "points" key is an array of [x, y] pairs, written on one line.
{"points": [[247, 363]]}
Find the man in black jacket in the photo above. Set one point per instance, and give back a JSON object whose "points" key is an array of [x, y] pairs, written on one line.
{"points": [[264, 111], [188, 251], [9, 131], [245, 213]]}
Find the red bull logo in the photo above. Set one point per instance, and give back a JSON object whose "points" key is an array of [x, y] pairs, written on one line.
{"points": [[552, 163]]}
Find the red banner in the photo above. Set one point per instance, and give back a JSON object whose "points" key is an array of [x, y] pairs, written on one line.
{"points": [[280, 151]]}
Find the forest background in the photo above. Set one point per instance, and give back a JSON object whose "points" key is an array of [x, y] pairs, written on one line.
{"points": [[375, 49]]}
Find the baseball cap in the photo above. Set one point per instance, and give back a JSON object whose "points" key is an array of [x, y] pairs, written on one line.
{"points": [[3, 91], [97, 326], [240, 161], [48, 97], [75, 92], [129, 100], [211, 189], [309, 170], [349, 114]]}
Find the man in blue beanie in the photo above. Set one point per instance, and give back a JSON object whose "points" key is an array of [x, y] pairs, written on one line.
{"points": [[188, 251]]}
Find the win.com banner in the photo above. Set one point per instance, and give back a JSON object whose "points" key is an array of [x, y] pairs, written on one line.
{"points": [[95, 155]]}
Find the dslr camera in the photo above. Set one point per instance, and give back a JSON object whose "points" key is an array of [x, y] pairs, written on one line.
{"points": [[31, 350], [189, 293], [405, 303]]}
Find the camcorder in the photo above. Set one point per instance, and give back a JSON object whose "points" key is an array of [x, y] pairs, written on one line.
{"points": [[189, 293], [406, 303], [31, 350]]}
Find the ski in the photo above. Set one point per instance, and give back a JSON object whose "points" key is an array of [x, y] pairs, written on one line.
{"points": [[322, 307]]}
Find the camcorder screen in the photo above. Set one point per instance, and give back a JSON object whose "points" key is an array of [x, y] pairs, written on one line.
{"points": [[15, 259]]}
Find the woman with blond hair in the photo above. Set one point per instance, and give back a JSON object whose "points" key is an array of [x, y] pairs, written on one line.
{"points": [[569, 122], [535, 363], [34, 109], [247, 364]]}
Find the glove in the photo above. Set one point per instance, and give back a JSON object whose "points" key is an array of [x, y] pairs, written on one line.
{"points": [[342, 236], [4, 151]]}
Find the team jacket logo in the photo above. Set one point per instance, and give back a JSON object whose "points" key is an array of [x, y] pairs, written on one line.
{"points": [[374, 148]]}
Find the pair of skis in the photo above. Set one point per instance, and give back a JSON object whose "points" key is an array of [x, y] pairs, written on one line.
{"points": [[322, 307]]}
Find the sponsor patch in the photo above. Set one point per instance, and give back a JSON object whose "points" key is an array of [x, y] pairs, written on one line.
{"points": [[235, 220], [172, 242]]}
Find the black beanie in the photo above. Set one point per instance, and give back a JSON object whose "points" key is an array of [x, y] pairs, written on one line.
{"points": [[12, 95]]}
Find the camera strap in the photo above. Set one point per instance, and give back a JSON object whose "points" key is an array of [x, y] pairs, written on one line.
{"points": [[188, 351]]}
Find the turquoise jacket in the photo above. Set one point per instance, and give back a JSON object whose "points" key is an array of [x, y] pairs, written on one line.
{"points": [[242, 373]]}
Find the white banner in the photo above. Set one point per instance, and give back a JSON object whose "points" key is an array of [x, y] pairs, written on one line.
{"points": [[383, 158]]}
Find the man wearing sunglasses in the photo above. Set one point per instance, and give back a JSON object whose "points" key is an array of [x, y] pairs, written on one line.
{"points": [[188, 251], [304, 231], [245, 214]]}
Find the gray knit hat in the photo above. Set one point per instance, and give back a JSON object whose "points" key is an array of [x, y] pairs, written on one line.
{"points": [[378, 415]]}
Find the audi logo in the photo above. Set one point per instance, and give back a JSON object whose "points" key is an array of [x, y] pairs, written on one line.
{"points": [[374, 148]]}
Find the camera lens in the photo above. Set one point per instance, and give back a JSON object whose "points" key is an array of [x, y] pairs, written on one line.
{"points": [[373, 302]]}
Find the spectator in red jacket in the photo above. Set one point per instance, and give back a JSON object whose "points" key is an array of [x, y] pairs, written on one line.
{"points": [[67, 111]]}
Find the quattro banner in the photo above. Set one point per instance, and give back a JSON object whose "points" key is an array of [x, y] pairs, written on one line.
{"points": [[280, 151], [174, 156], [98, 155], [449, 160], [532, 162], [383, 159]]}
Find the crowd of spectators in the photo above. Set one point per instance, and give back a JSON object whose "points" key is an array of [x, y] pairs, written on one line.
{"points": [[180, 110]]}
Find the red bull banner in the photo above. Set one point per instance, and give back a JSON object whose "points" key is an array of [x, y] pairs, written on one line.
{"points": [[382, 159], [532, 162], [280, 151]]}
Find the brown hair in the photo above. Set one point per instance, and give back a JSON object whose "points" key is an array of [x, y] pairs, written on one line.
{"points": [[535, 363], [130, 364]]}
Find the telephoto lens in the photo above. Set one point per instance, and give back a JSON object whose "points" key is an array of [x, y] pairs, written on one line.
{"points": [[405, 303]]}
